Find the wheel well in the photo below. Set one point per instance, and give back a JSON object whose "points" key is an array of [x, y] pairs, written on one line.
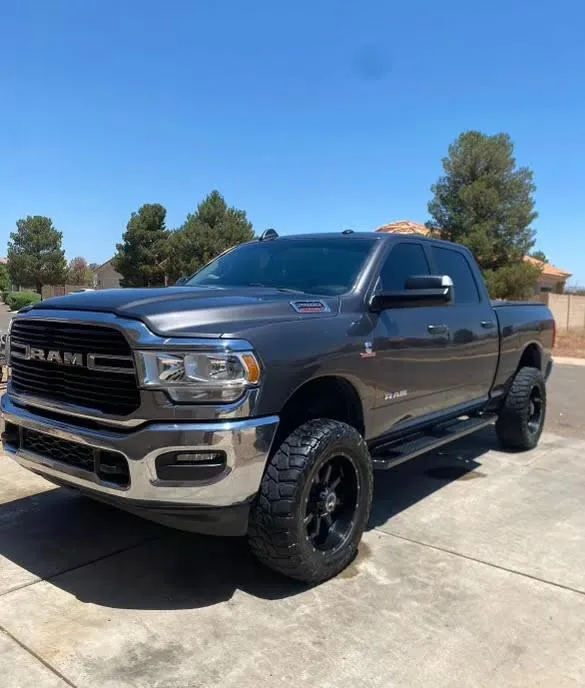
{"points": [[326, 397], [531, 357]]}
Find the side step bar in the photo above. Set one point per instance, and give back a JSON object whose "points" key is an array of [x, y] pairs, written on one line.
{"points": [[392, 453]]}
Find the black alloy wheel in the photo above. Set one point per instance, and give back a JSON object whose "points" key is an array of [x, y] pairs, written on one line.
{"points": [[331, 503], [535, 409]]}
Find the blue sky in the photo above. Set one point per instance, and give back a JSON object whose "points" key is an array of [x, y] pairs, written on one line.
{"points": [[312, 116]]}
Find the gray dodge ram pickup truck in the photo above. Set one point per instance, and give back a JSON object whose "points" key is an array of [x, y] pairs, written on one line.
{"points": [[257, 398]]}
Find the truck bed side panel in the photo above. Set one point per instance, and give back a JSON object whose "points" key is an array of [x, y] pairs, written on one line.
{"points": [[521, 325]]}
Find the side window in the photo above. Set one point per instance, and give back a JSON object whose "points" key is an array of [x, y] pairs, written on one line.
{"points": [[405, 260], [455, 264]]}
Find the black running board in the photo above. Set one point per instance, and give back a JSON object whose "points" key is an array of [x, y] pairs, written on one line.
{"points": [[392, 453]]}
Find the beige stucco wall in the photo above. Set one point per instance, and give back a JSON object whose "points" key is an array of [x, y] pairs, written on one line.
{"points": [[568, 310]]}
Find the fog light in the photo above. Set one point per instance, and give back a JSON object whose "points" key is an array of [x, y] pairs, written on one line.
{"points": [[200, 457], [190, 466]]}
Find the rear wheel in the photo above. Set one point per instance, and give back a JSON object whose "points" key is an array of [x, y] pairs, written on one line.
{"points": [[314, 502], [521, 419]]}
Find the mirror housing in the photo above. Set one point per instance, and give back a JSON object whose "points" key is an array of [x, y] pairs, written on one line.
{"points": [[419, 290], [428, 282]]}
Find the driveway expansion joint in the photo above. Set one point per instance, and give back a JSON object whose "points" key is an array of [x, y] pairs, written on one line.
{"points": [[28, 650], [446, 550]]}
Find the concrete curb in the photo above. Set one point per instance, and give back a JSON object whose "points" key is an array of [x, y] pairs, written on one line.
{"points": [[561, 360]]}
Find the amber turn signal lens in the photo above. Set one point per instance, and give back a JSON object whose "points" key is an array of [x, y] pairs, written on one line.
{"points": [[252, 367]]}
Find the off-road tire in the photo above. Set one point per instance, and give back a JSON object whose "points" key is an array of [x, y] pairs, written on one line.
{"points": [[513, 425], [277, 531]]}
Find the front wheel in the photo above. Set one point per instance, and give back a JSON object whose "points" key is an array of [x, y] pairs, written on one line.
{"points": [[314, 502], [521, 419]]}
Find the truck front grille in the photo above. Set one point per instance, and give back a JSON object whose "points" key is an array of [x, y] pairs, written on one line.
{"points": [[111, 391], [109, 466]]}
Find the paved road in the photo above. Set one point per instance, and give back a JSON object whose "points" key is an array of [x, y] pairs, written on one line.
{"points": [[566, 396], [472, 574]]}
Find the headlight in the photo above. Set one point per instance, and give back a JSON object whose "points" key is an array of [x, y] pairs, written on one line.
{"points": [[198, 377]]}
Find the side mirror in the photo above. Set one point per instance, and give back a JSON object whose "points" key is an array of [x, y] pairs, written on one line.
{"points": [[181, 281], [419, 290]]}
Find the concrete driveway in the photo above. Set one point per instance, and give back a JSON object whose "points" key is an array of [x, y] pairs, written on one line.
{"points": [[472, 574]]}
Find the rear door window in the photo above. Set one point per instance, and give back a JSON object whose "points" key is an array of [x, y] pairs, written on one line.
{"points": [[456, 266]]}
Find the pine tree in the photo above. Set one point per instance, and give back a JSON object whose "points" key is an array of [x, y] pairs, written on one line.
{"points": [[35, 254], [212, 229], [539, 255], [486, 203], [141, 255]]}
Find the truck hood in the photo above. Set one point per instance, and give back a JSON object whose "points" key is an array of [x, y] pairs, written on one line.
{"points": [[196, 311]]}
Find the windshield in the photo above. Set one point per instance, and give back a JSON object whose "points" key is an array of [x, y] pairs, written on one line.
{"points": [[310, 266]]}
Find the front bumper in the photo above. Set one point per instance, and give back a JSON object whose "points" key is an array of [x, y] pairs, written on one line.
{"points": [[193, 505]]}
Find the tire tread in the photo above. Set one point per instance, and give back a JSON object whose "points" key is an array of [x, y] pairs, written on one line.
{"points": [[512, 425], [271, 535]]}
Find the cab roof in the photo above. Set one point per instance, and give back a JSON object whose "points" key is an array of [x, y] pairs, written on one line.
{"points": [[354, 235]]}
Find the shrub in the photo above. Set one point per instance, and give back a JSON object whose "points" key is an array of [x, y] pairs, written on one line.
{"points": [[15, 300]]}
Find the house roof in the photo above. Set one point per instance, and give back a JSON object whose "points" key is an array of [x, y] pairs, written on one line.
{"points": [[103, 265], [408, 227], [548, 269], [404, 227]]}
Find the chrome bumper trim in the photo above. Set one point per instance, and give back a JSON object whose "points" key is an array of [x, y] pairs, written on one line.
{"points": [[245, 442]]}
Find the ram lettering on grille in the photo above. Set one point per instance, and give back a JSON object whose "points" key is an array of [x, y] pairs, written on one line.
{"points": [[28, 353], [68, 358]]}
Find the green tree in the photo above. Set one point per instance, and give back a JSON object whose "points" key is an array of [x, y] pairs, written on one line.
{"points": [[35, 254], [141, 255], [4, 278], [514, 281], [485, 202], [539, 255], [212, 229], [79, 272]]}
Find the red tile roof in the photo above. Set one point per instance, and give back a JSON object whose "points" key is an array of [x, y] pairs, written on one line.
{"points": [[548, 269], [404, 227]]}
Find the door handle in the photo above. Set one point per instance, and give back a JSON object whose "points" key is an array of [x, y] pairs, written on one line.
{"points": [[488, 324], [437, 329]]}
